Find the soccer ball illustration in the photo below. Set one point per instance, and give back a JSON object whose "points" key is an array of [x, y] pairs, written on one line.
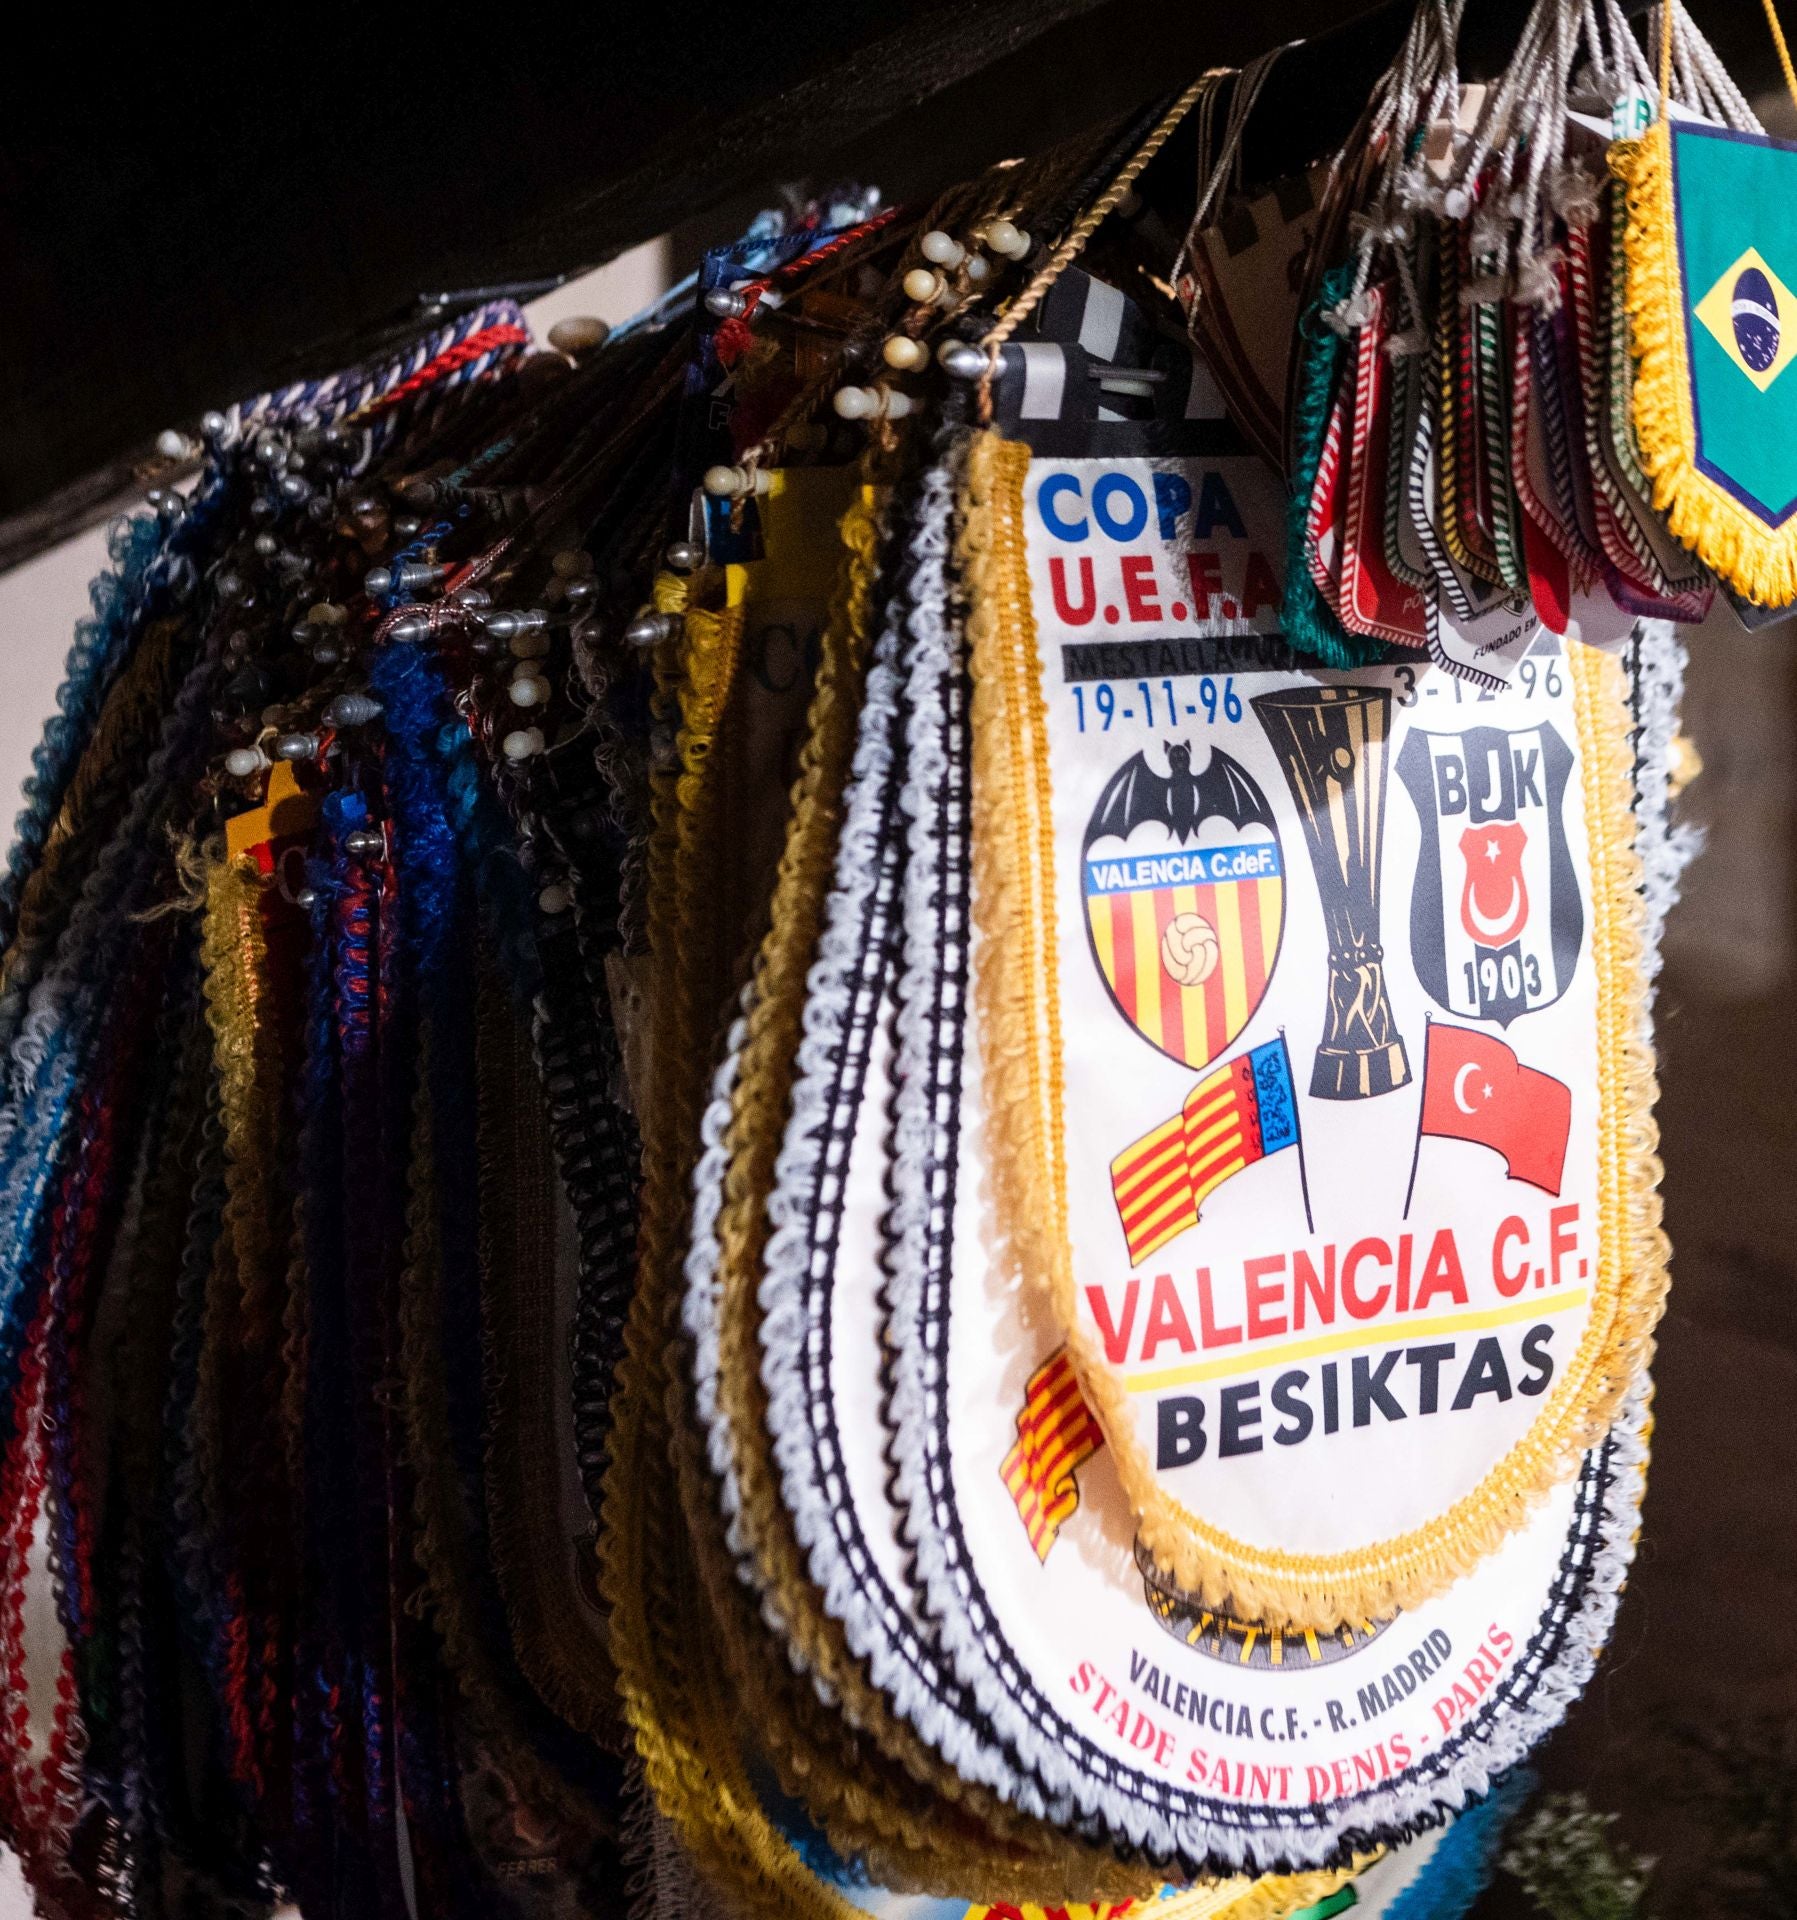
{"points": [[1189, 949]]}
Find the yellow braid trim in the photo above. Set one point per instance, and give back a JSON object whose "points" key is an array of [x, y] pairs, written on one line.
{"points": [[1018, 1002], [246, 1060], [1756, 560], [675, 1696]]}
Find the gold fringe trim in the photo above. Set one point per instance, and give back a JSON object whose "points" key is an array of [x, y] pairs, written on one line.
{"points": [[1018, 1002], [675, 1694], [1757, 560], [247, 1061]]}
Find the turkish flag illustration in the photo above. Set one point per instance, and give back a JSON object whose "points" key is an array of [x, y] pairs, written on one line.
{"points": [[1475, 1088]]}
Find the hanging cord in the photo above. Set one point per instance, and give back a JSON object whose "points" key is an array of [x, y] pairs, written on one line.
{"points": [[1227, 162], [1084, 227], [1784, 52]]}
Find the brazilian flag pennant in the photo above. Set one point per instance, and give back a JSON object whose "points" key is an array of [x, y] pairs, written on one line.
{"points": [[1711, 244]]}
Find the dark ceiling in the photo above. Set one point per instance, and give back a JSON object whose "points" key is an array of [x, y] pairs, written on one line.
{"points": [[193, 212]]}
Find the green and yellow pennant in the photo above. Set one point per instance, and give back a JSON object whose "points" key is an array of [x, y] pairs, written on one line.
{"points": [[1711, 245]]}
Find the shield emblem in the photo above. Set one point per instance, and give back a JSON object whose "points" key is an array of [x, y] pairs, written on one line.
{"points": [[1496, 920], [1185, 899]]}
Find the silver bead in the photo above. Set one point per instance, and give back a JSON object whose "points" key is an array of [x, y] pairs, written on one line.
{"points": [[650, 629], [508, 622], [352, 710], [297, 746], [266, 544], [378, 581], [242, 762], [406, 526], [213, 425], [725, 303], [472, 597], [295, 487], [962, 360], [409, 631], [303, 896], [578, 592], [230, 586], [683, 557], [326, 653], [365, 842]]}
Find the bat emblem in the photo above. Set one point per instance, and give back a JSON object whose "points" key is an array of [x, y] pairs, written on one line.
{"points": [[1185, 898]]}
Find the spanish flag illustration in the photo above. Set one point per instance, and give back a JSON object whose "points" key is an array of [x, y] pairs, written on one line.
{"points": [[1232, 1118], [1056, 1432]]}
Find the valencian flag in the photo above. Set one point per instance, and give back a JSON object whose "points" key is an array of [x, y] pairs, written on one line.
{"points": [[1232, 1118], [1711, 245], [1475, 1088], [1056, 1432]]}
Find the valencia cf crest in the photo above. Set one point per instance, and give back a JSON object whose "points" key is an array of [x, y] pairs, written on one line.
{"points": [[1185, 899], [1495, 919]]}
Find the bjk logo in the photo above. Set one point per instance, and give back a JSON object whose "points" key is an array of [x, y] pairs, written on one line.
{"points": [[1501, 937]]}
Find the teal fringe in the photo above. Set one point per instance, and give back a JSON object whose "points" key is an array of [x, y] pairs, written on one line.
{"points": [[1457, 1873], [1310, 625]]}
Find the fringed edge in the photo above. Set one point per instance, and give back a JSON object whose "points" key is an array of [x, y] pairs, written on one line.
{"points": [[1758, 561], [1019, 1005], [1310, 625], [691, 1760], [1460, 1868]]}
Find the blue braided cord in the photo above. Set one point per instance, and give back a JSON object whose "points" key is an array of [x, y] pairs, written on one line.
{"points": [[395, 595], [501, 885], [77, 982], [416, 706], [59, 1031], [317, 1156], [329, 401], [99, 646]]}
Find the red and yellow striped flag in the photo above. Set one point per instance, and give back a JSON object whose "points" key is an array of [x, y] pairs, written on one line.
{"points": [[1056, 1432], [1233, 1117]]}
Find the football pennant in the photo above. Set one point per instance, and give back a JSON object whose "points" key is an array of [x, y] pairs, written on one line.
{"points": [[1475, 1088], [1712, 256], [1232, 1118], [1056, 1433]]}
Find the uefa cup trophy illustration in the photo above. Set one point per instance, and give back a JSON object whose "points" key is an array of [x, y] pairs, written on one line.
{"points": [[1332, 744]]}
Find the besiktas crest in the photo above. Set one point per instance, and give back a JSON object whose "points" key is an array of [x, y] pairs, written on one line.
{"points": [[1496, 920]]}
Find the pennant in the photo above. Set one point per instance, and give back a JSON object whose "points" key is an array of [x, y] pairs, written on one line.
{"points": [[1056, 1433], [1240, 1114], [1712, 253]]}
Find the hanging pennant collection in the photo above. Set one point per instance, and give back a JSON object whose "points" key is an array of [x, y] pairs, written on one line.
{"points": [[846, 1105]]}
